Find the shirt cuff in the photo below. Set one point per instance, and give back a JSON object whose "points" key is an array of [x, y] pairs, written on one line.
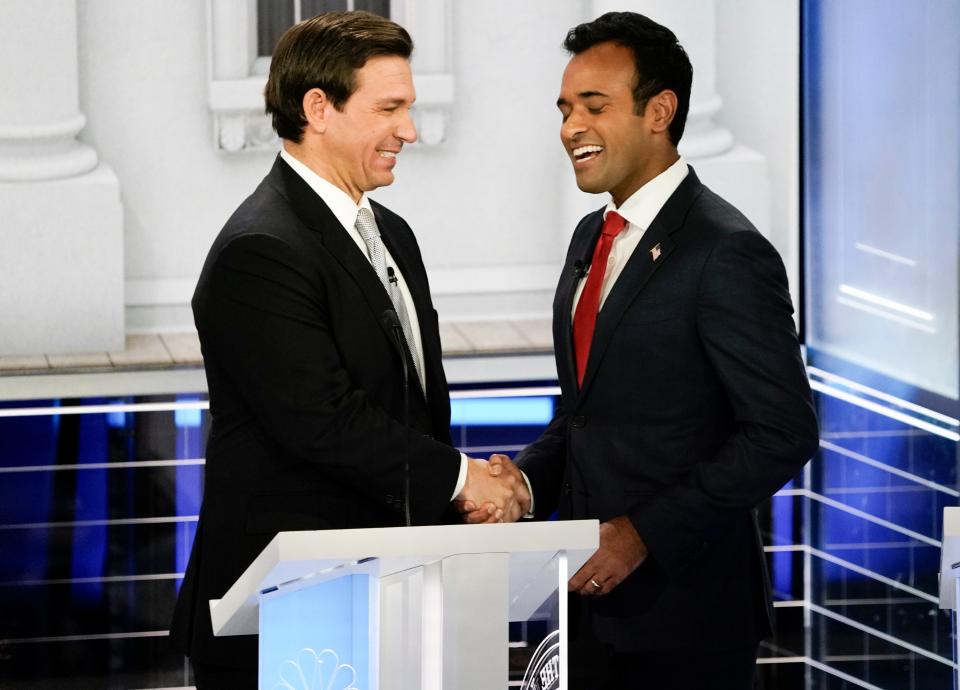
{"points": [[530, 491], [461, 478]]}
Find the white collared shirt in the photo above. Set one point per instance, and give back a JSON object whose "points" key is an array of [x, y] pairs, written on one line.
{"points": [[639, 211], [345, 210]]}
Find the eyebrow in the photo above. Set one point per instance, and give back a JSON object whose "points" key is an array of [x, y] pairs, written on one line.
{"points": [[582, 95]]}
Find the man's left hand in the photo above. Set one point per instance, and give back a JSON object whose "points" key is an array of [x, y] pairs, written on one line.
{"points": [[621, 552]]}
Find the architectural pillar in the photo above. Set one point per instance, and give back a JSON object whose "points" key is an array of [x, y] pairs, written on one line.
{"points": [[61, 266]]}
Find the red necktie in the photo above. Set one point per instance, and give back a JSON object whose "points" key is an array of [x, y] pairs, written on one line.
{"points": [[585, 318]]}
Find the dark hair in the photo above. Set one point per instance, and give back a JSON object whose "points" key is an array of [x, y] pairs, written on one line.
{"points": [[660, 61], [325, 52]]}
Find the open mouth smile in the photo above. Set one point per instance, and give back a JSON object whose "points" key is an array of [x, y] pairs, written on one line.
{"points": [[583, 154]]}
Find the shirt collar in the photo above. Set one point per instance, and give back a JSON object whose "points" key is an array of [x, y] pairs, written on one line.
{"points": [[337, 200], [644, 204]]}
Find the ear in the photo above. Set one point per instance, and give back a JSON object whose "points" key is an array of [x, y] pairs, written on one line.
{"points": [[316, 108], [661, 109]]}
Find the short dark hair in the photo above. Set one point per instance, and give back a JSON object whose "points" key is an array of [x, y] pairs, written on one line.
{"points": [[661, 62], [325, 52]]}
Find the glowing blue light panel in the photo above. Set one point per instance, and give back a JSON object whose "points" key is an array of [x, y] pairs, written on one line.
{"points": [[501, 411], [319, 636], [188, 418], [881, 174]]}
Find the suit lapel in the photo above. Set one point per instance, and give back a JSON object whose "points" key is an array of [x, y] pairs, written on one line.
{"points": [[419, 292], [650, 254], [581, 250], [316, 215]]}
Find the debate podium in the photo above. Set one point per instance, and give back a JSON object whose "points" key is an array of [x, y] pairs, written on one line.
{"points": [[438, 607], [950, 575]]}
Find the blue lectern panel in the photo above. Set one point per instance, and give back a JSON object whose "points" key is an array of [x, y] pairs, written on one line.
{"points": [[318, 637]]}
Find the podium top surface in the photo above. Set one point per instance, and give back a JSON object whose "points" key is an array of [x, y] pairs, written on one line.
{"points": [[291, 556]]}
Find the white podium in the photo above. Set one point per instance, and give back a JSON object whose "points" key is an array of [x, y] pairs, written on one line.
{"points": [[440, 607], [950, 574]]}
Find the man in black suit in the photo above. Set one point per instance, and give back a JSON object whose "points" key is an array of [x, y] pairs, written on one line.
{"points": [[684, 397], [313, 309]]}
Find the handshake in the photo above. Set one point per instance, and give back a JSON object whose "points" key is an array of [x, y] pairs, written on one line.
{"points": [[495, 491]]}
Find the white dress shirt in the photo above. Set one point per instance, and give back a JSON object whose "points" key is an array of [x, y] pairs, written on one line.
{"points": [[639, 211], [345, 210]]}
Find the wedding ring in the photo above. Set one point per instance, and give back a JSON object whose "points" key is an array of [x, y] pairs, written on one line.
{"points": [[595, 583]]}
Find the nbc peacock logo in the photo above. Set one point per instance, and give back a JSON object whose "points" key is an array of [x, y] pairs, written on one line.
{"points": [[310, 670]]}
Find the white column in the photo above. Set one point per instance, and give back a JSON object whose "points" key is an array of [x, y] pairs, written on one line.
{"points": [[429, 23], [61, 272], [737, 173], [39, 111], [236, 86]]}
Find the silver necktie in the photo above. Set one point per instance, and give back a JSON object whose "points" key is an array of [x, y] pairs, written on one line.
{"points": [[367, 227]]}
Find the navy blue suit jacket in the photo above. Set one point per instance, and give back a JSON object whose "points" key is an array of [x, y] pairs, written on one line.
{"points": [[695, 407]]}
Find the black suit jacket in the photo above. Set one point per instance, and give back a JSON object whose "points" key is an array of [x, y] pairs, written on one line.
{"points": [[695, 407], [306, 394]]}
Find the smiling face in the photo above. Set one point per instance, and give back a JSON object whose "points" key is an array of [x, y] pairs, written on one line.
{"points": [[612, 148], [361, 142]]}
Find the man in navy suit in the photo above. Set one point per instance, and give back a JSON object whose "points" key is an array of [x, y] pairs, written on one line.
{"points": [[684, 397]]}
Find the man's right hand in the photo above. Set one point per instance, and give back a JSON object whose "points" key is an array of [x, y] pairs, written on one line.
{"points": [[495, 492]]}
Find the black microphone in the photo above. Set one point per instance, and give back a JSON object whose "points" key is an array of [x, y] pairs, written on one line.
{"points": [[580, 268], [392, 322], [391, 276]]}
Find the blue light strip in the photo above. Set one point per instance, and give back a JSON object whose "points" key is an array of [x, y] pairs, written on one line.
{"points": [[189, 418], [501, 411]]}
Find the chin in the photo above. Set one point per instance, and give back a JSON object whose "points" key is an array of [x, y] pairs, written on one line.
{"points": [[381, 181], [589, 188]]}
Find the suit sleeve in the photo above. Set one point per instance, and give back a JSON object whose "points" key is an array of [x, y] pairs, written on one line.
{"points": [[744, 318], [544, 462], [265, 325]]}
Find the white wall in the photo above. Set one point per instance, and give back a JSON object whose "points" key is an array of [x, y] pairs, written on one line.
{"points": [[493, 205], [487, 205], [758, 63], [143, 88]]}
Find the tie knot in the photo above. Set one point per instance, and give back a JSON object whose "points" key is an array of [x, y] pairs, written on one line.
{"points": [[366, 225], [614, 224]]}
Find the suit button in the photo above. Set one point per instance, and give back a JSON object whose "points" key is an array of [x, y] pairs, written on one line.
{"points": [[579, 421], [567, 489], [389, 499]]}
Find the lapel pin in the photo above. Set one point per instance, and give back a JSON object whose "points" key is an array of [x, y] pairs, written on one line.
{"points": [[655, 252]]}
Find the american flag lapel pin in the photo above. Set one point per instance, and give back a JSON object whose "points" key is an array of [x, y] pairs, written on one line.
{"points": [[655, 252]]}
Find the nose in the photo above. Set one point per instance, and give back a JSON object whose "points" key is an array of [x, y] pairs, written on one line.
{"points": [[572, 127], [406, 131]]}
